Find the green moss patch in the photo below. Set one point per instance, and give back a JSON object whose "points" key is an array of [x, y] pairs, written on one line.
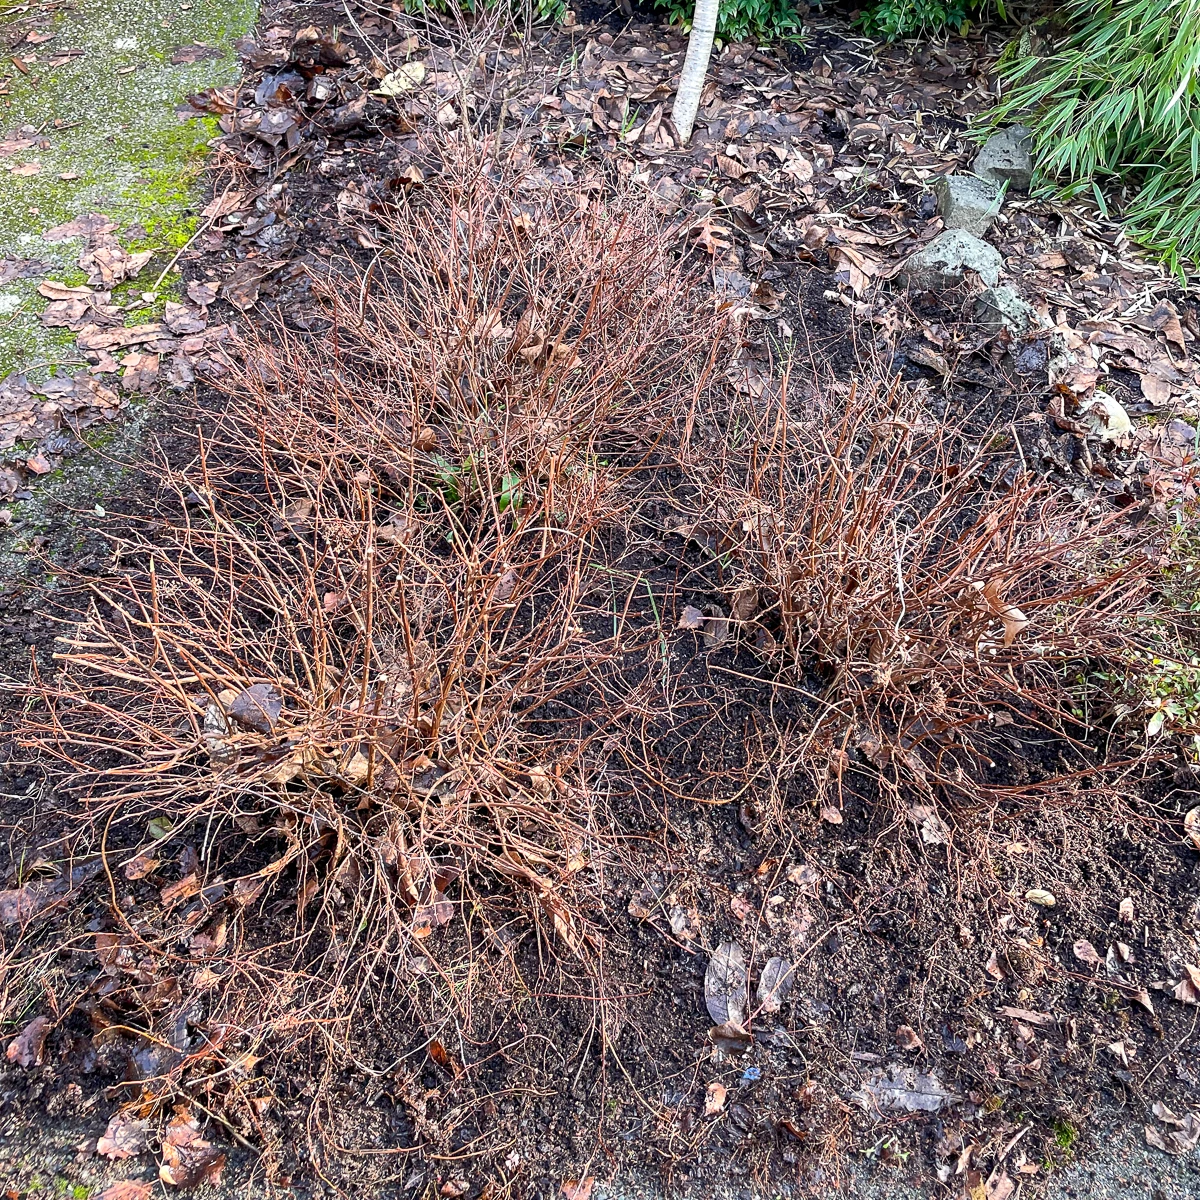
{"points": [[99, 103]]}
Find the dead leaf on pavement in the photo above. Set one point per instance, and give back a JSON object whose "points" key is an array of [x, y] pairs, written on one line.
{"points": [[126, 1189], [125, 1137], [194, 53]]}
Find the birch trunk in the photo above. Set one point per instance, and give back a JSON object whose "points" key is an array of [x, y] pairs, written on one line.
{"points": [[695, 66]]}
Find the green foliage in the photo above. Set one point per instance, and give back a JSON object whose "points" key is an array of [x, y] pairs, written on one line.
{"points": [[551, 11], [1118, 102], [742, 20], [891, 19]]}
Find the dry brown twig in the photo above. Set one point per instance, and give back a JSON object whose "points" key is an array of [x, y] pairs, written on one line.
{"points": [[327, 661]]}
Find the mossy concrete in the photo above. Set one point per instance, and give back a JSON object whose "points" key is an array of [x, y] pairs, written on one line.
{"points": [[108, 140]]}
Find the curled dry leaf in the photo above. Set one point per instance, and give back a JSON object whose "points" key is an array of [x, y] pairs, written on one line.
{"points": [[125, 1137], [1125, 910], [745, 602], [714, 1098], [725, 984], [1187, 990], [1041, 897], [716, 630], [187, 1159], [1087, 953], [26, 1048], [730, 1037], [642, 903], [691, 617], [1191, 826], [774, 984], [438, 911], [907, 1038]]}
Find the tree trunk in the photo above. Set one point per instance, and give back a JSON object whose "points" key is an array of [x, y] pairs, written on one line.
{"points": [[695, 65]]}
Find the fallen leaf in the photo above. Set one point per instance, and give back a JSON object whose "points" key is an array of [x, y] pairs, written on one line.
{"points": [[577, 1189], [907, 1038], [731, 1037], [1191, 826], [1001, 1187], [1086, 953], [194, 53], [257, 707], [126, 1189], [1142, 997], [441, 1056], [1125, 910], [26, 1048], [19, 904], [725, 985], [202, 294], [125, 1137], [1028, 1015], [51, 289], [29, 168], [690, 618], [1187, 991], [401, 80], [426, 917], [774, 984], [714, 1098], [1041, 897], [716, 630], [187, 1159], [934, 831], [904, 1089]]}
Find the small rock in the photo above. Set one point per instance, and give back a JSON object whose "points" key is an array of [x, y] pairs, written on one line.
{"points": [[965, 202], [945, 261], [1007, 157], [1002, 308]]}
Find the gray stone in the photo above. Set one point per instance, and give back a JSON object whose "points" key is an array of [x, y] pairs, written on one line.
{"points": [[944, 263], [1002, 308], [1007, 157], [965, 202]]}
